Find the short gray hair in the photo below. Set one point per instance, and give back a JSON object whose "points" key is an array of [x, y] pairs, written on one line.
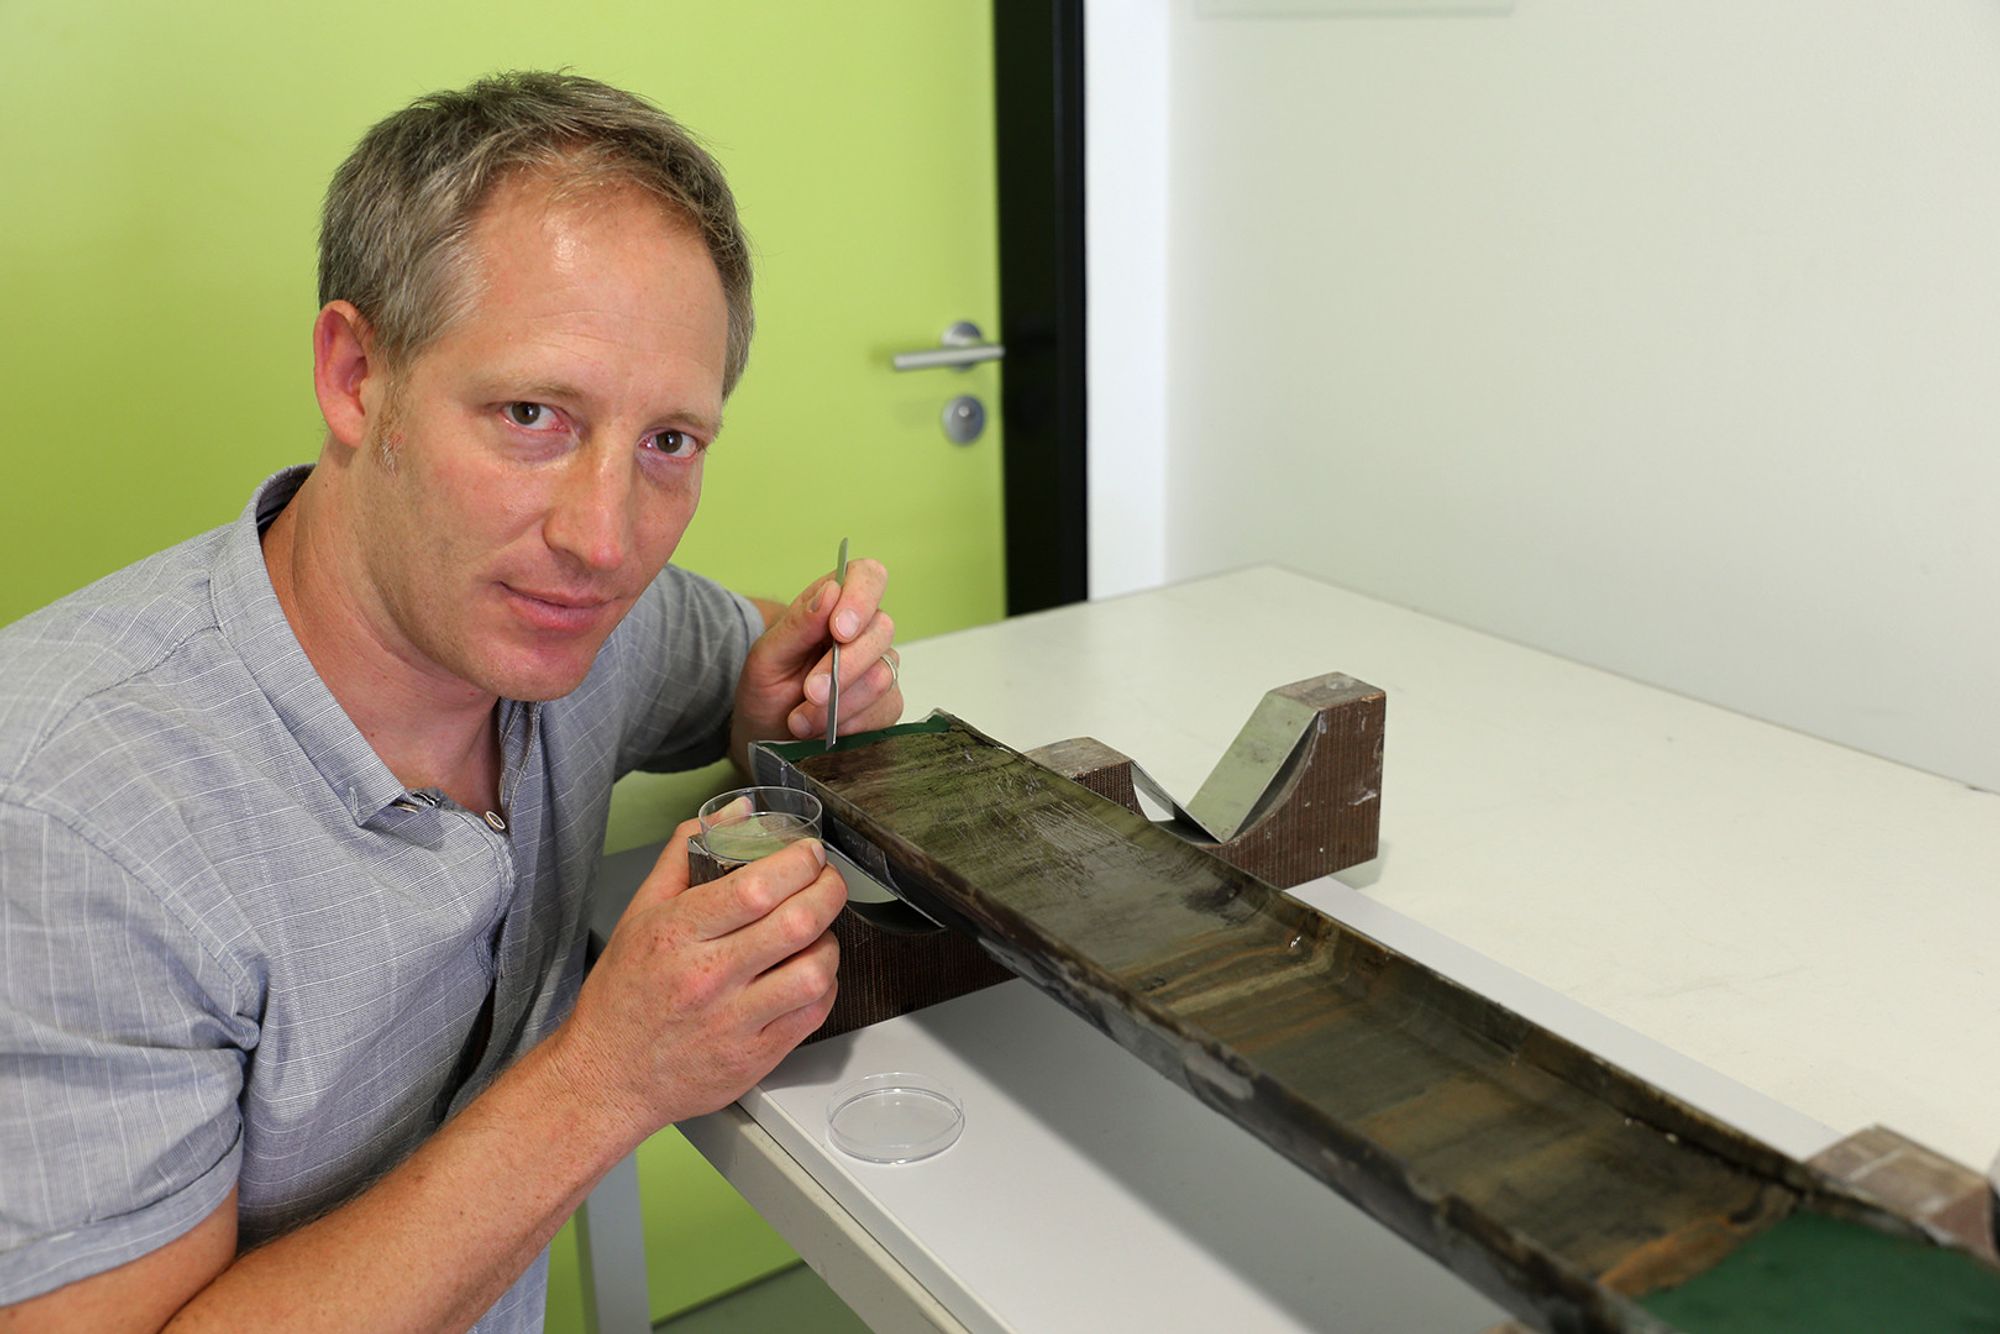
{"points": [[394, 235]]}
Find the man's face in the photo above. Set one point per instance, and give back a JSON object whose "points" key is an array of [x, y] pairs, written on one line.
{"points": [[543, 457]]}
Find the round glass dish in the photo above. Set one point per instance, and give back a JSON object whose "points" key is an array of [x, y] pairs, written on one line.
{"points": [[894, 1118]]}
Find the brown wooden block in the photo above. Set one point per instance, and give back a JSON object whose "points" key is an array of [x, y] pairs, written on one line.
{"points": [[885, 972], [1324, 814], [1920, 1183], [1087, 761], [1322, 809]]}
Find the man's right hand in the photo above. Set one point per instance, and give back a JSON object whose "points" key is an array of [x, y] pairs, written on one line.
{"points": [[702, 990]]}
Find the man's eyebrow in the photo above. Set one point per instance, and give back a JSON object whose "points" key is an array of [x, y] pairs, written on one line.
{"points": [[561, 389], [498, 384], [703, 424]]}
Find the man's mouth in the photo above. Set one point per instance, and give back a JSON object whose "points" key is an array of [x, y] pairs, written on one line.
{"points": [[555, 610]]}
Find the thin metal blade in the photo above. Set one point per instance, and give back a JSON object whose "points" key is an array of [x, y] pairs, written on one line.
{"points": [[833, 686]]}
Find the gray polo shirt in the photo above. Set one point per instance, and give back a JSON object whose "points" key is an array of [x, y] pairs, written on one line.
{"points": [[234, 949]]}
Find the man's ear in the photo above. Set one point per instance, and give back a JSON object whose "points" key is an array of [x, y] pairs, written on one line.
{"points": [[343, 367]]}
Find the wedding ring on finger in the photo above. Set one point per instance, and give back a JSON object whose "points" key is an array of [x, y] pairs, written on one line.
{"points": [[895, 673]]}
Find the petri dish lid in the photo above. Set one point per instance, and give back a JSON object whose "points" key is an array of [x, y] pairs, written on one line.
{"points": [[896, 1117]]}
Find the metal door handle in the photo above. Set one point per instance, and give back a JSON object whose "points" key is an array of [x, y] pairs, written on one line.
{"points": [[961, 348]]}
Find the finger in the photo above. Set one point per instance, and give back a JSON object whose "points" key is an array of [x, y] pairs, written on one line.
{"points": [[790, 927], [877, 701], [860, 599], [867, 648], [786, 1032], [855, 658], [800, 722], [800, 635], [751, 893], [804, 980], [872, 680], [669, 877]]}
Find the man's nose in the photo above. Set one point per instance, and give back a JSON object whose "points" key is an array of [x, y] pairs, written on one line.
{"points": [[590, 515]]}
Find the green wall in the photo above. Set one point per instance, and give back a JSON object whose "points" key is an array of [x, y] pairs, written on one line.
{"points": [[163, 165]]}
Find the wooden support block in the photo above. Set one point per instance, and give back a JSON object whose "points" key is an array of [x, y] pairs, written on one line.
{"points": [[1324, 813], [886, 972], [1316, 749], [1919, 1183], [1089, 762]]}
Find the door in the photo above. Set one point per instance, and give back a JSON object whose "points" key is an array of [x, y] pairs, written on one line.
{"points": [[165, 166]]}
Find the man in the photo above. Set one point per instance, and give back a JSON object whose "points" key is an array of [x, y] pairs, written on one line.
{"points": [[296, 819]]}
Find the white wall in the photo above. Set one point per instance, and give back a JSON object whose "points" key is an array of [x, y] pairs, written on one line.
{"points": [[1664, 334], [1125, 278]]}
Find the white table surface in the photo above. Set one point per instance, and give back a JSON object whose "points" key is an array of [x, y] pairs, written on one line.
{"points": [[1793, 935]]}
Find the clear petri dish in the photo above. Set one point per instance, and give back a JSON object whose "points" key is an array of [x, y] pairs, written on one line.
{"points": [[751, 822], [894, 1118]]}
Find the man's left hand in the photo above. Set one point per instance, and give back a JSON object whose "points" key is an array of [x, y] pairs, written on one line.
{"points": [[784, 687]]}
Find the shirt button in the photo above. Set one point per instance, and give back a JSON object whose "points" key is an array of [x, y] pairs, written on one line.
{"points": [[493, 819], [409, 806]]}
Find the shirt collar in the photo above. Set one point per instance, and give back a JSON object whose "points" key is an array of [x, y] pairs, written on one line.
{"points": [[247, 610]]}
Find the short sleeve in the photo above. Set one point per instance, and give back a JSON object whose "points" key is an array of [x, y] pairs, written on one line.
{"points": [[122, 1056], [680, 652]]}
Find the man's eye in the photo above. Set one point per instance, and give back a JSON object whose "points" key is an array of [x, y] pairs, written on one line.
{"points": [[530, 415], [676, 444]]}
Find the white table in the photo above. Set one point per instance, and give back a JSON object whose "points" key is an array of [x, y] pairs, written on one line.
{"points": [[1790, 934]]}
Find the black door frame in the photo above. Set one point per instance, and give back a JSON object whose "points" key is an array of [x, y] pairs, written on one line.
{"points": [[1039, 134]]}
